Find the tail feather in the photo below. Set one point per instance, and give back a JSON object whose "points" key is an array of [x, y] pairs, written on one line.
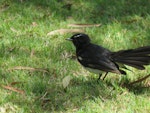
{"points": [[133, 54], [134, 61], [136, 58], [138, 66]]}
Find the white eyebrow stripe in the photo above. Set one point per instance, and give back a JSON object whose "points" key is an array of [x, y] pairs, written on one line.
{"points": [[78, 36]]}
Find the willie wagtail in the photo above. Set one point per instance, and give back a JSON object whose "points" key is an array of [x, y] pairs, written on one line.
{"points": [[97, 59]]}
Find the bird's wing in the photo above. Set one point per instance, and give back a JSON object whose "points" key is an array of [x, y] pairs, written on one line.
{"points": [[98, 61]]}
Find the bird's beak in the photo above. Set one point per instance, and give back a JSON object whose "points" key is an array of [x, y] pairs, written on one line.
{"points": [[69, 39]]}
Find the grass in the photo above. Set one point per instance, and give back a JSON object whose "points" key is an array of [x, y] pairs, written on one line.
{"points": [[24, 42]]}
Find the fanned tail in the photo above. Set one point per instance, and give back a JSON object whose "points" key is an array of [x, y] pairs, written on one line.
{"points": [[136, 58]]}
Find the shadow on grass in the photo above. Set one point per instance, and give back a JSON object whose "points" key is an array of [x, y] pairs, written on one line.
{"points": [[137, 88], [92, 11], [77, 94], [80, 92], [98, 11]]}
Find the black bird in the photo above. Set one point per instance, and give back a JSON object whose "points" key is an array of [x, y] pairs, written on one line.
{"points": [[97, 59]]}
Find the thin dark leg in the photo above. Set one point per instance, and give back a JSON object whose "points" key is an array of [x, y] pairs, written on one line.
{"points": [[99, 77], [105, 75]]}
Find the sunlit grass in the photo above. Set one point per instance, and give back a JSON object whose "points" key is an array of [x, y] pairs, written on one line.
{"points": [[24, 42]]}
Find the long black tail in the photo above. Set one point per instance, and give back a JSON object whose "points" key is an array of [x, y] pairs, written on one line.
{"points": [[136, 58]]}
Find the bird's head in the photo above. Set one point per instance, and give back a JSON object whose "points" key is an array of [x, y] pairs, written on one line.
{"points": [[79, 40]]}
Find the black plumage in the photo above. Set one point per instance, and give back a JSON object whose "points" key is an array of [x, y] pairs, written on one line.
{"points": [[97, 59]]}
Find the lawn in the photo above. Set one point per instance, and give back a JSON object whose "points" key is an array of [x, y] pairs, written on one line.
{"points": [[34, 64]]}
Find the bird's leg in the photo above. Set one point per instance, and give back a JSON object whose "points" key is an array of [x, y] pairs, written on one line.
{"points": [[99, 77], [105, 75]]}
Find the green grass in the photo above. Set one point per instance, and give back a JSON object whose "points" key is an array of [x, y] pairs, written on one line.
{"points": [[125, 24]]}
